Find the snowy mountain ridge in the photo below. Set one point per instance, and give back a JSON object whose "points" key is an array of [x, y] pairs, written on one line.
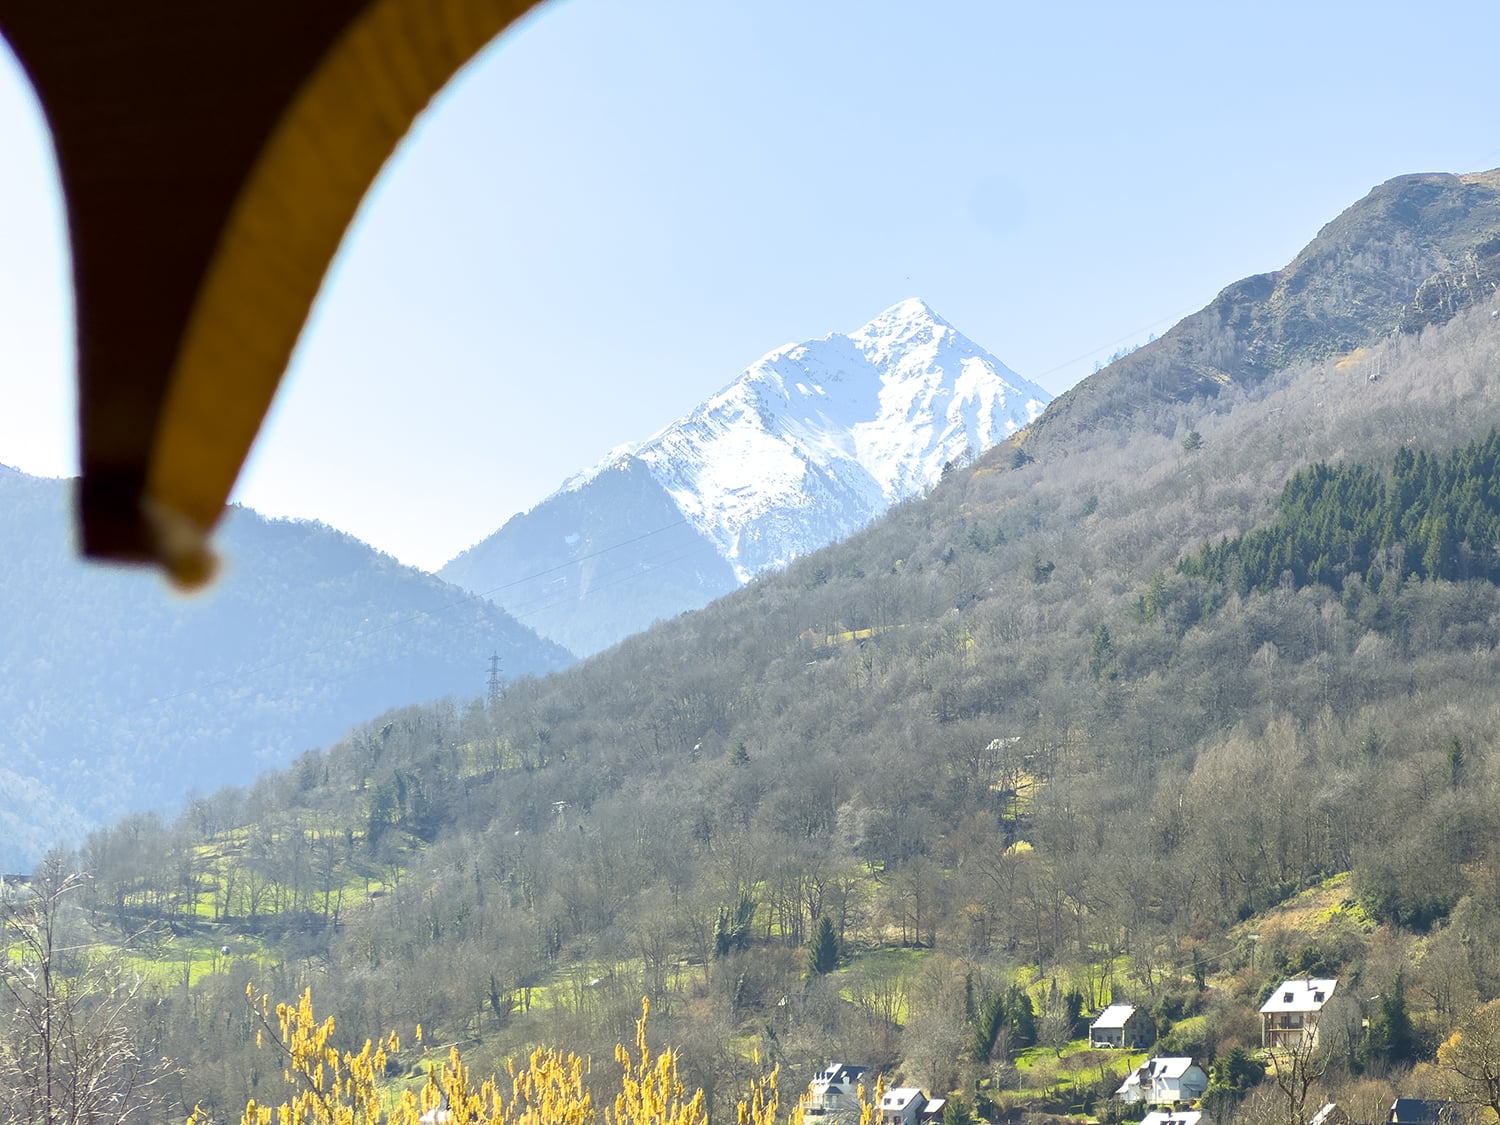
{"points": [[875, 414], [808, 445]]}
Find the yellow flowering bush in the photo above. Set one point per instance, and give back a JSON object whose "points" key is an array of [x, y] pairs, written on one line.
{"points": [[343, 1088]]}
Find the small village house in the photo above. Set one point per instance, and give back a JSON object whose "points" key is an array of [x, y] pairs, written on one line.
{"points": [[1173, 1117], [834, 1091], [1330, 1114], [1164, 1081], [905, 1105], [1121, 1025], [1420, 1111], [1289, 1018], [932, 1112]]}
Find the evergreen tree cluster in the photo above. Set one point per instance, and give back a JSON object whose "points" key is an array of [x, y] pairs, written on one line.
{"points": [[1433, 518], [1230, 1078], [1391, 1040], [1011, 1011]]}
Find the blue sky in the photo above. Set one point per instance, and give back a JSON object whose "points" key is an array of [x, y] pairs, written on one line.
{"points": [[618, 207]]}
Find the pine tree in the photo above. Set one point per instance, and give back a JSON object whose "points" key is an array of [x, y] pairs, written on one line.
{"points": [[1021, 1014], [1229, 1080], [824, 957], [1102, 655], [991, 1018], [1390, 1040]]}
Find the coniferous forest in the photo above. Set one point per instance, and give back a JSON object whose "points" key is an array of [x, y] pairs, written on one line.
{"points": [[1429, 517]]}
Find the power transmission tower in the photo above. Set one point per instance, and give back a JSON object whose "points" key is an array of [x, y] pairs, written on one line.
{"points": [[495, 688]]}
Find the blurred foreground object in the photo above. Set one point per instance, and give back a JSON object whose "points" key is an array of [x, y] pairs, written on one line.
{"points": [[211, 157]]}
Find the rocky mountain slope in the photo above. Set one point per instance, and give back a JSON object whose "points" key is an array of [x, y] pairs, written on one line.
{"points": [[116, 697], [810, 444], [1410, 254]]}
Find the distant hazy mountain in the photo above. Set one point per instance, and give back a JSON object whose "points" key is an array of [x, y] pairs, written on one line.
{"points": [[117, 695], [810, 444]]}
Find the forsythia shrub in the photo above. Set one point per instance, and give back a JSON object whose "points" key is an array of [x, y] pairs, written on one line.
{"points": [[334, 1088]]}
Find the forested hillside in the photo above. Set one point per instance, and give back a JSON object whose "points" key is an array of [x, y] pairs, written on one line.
{"points": [[117, 696], [1041, 740], [1351, 529], [1000, 740]]}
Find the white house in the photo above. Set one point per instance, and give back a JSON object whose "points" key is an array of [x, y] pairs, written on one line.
{"points": [[1173, 1117], [834, 1091], [1164, 1081], [1289, 1019], [902, 1106], [1120, 1025]]}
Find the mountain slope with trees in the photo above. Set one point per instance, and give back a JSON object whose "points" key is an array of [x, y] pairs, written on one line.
{"points": [[1410, 254], [116, 696], [998, 730], [1351, 529], [1020, 761]]}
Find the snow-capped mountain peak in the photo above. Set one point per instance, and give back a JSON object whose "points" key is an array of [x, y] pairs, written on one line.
{"points": [[900, 327], [816, 439], [810, 443]]}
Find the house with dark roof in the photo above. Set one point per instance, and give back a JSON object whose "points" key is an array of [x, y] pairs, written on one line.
{"points": [[1420, 1111], [834, 1091]]}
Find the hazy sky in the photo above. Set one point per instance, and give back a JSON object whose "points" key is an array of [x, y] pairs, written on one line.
{"points": [[621, 205]]}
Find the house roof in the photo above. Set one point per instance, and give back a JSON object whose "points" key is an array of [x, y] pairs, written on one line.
{"points": [[839, 1074], [1301, 995], [901, 1097], [1169, 1067], [1114, 1016], [1415, 1111], [1181, 1117], [1330, 1114], [1152, 1069]]}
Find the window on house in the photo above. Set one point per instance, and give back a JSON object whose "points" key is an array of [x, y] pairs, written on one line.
{"points": [[1286, 997]]}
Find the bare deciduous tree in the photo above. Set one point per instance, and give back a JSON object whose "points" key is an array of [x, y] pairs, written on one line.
{"points": [[67, 1055], [1469, 1060], [1296, 1072]]}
